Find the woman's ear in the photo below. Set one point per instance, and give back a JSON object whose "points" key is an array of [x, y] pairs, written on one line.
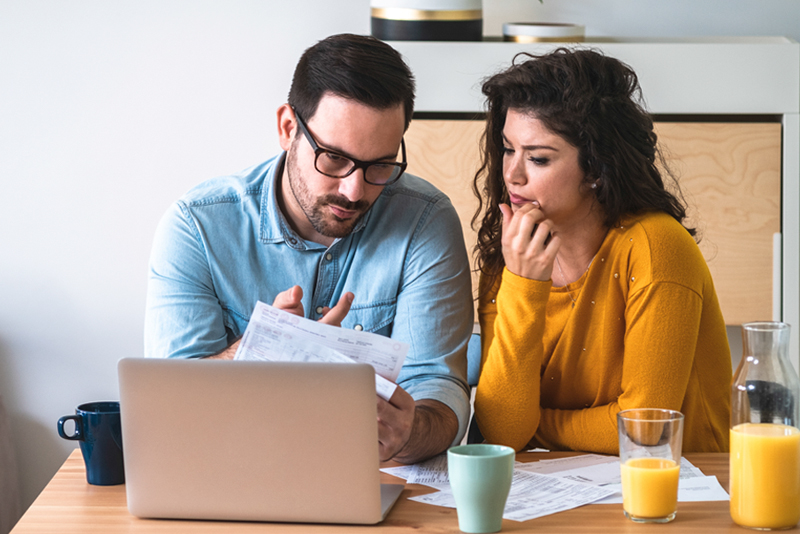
{"points": [[287, 125]]}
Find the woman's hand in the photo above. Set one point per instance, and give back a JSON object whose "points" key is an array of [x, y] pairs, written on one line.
{"points": [[529, 248]]}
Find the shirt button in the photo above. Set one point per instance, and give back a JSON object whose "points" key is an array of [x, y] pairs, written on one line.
{"points": [[293, 241], [358, 327], [319, 309], [329, 256]]}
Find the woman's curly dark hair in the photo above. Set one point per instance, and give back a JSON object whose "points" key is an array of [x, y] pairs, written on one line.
{"points": [[594, 103]]}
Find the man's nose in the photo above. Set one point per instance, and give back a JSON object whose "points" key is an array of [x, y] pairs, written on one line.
{"points": [[352, 186]]}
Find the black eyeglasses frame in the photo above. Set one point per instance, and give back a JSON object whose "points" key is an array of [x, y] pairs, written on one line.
{"points": [[357, 163]]}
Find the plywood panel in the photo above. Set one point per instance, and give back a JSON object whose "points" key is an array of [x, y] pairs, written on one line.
{"points": [[729, 172], [731, 176], [447, 154]]}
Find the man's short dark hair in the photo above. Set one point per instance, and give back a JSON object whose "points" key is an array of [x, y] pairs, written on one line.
{"points": [[357, 67]]}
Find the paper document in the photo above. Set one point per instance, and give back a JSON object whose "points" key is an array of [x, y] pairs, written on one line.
{"points": [[276, 335], [694, 489], [549, 486], [595, 469], [532, 495]]}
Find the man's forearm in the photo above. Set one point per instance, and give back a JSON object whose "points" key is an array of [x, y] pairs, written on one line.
{"points": [[226, 354], [435, 428]]}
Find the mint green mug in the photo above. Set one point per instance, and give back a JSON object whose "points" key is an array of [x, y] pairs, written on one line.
{"points": [[480, 477]]}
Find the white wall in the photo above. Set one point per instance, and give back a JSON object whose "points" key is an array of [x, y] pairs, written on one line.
{"points": [[110, 110]]}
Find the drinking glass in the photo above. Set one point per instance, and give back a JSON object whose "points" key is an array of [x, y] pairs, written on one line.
{"points": [[650, 458]]}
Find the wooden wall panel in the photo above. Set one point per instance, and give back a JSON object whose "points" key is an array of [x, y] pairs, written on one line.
{"points": [[731, 176], [447, 154], [729, 173]]}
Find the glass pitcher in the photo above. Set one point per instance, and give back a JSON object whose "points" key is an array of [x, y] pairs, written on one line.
{"points": [[765, 439]]}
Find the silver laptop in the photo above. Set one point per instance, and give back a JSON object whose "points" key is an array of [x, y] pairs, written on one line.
{"points": [[252, 441]]}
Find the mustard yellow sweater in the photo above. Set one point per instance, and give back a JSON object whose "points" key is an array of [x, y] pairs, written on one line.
{"points": [[646, 331]]}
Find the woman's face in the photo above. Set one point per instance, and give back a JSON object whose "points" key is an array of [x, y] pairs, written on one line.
{"points": [[541, 166]]}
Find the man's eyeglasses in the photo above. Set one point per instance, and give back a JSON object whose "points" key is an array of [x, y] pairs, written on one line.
{"points": [[336, 165]]}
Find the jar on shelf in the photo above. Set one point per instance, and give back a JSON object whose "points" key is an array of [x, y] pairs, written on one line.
{"points": [[765, 436], [427, 20]]}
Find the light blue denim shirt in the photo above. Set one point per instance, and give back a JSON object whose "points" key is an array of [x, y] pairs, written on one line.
{"points": [[226, 245]]}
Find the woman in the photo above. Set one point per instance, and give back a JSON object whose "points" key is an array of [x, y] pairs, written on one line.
{"points": [[594, 297]]}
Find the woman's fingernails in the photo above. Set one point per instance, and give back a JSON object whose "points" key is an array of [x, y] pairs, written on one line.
{"points": [[536, 204]]}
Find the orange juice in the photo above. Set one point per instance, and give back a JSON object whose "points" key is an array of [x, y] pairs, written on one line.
{"points": [[765, 475], [650, 487]]}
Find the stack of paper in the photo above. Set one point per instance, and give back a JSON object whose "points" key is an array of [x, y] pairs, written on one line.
{"points": [[275, 335]]}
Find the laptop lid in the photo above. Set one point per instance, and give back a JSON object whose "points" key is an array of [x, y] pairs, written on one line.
{"points": [[255, 441]]}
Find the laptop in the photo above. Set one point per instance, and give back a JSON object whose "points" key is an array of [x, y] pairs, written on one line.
{"points": [[252, 441]]}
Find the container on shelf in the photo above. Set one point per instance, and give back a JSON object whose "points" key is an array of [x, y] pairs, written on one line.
{"points": [[427, 20], [543, 32]]}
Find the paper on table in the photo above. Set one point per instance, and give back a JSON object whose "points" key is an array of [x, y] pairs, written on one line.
{"points": [[567, 464], [432, 473], [597, 470], [401, 471], [604, 471], [532, 495], [694, 489], [276, 335]]}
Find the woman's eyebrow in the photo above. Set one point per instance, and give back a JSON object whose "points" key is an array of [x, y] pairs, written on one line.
{"points": [[532, 147]]}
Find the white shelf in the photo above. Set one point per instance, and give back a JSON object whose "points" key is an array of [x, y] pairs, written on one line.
{"points": [[698, 76]]}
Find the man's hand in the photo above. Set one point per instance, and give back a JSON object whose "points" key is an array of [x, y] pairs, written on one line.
{"points": [[395, 423], [291, 301], [410, 431]]}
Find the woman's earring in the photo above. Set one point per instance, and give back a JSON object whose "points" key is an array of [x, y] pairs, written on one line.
{"points": [[594, 185]]}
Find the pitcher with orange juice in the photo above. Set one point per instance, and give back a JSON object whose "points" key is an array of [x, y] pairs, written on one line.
{"points": [[765, 439]]}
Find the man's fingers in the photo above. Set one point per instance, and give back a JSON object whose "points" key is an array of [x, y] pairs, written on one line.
{"points": [[402, 400], [335, 315], [395, 423], [290, 300]]}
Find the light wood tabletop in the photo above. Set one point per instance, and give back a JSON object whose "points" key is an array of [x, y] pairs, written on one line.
{"points": [[69, 505]]}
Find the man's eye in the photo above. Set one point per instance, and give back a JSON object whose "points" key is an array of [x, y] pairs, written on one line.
{"points": [[335, 158]]}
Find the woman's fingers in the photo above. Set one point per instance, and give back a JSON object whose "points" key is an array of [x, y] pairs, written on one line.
{"points": [[529, 248]]}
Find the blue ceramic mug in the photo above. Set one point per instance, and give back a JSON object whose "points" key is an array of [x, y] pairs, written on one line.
{"points": [[98, 428]]}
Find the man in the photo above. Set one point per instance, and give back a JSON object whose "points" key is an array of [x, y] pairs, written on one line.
{"points": [[331, 229]]}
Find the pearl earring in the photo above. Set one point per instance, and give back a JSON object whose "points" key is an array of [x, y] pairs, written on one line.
{"points": [[594, 185]]}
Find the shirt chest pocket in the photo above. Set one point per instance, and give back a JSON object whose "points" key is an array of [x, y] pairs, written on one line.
{"points": [[375, 317]]}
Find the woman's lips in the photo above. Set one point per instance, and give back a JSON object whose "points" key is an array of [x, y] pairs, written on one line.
{"points": [[518, 200]]}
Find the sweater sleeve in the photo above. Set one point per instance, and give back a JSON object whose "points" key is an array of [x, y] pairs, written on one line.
{"points": [[507, 396], [662, 324]]}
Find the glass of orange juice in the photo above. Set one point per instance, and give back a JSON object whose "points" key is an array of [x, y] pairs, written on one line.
{"points": [[650, 458]]}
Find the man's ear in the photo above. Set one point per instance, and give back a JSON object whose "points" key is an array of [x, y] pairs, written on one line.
{"points": [[287, 126]]}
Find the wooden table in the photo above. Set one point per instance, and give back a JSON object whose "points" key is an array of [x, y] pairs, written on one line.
{"points": [[69, 505]]}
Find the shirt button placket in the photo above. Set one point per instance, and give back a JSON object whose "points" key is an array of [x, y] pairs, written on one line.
{"points": [[326, 280]]}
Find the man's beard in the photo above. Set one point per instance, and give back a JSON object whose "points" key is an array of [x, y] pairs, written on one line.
{"points": [[321, 218]]}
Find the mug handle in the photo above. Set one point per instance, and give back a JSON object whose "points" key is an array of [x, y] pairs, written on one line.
{"points": [[78, 435]]}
